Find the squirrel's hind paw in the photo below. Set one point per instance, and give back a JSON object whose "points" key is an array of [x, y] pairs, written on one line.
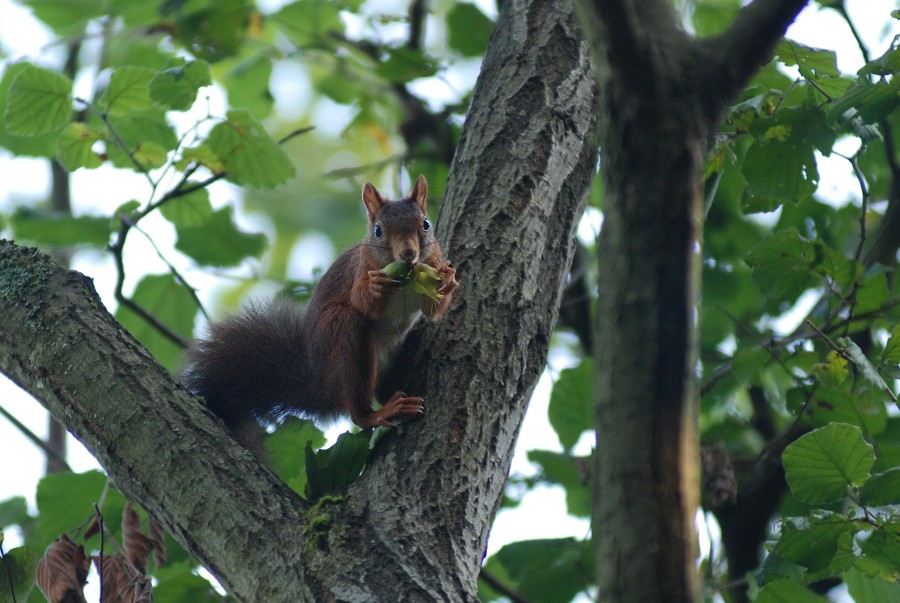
{"points": [[400, 406]]}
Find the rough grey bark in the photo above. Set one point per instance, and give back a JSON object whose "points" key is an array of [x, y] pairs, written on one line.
{"points": [[662, 94], [415, 526]]}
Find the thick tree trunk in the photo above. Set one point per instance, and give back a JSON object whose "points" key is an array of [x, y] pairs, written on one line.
{"points": [[415, 526], [663, 93]]}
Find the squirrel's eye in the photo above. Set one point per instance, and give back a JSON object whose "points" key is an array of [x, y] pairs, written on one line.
{"points": [[377, 231], [426, 225]]}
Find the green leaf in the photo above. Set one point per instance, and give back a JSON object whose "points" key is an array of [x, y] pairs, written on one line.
{"points": [[749, 364], [306, 22], [134, 14], [881, 555], [193, 209], [56, 230], [405, 64], [249, 154], [247, 85], [179, 583], [468, 29], [129, 91], [871, 293], [780, 164], [870, 589], [881, 489], [14, 512], [17, 572], [886, 64], [712, 18], [210, 30], [833, 371], [757, 204], [571, 474], [147, 136], [822, 464], [285, 450], [815, 545], [66, 17], [150, 155], [813, 63], [170, 303], [787, 591], [42, 145], [782, 265], [218, 242], [547, 571], [66, 501], [571, 408], [891, 352], [201, 155], [339, 85], [332, 469], [865, 367], [138, 51], [75, 147], [177, 87], [780, 169], [865, 101], [864, 408], [843, 270], [39, 100], [125, 212]]}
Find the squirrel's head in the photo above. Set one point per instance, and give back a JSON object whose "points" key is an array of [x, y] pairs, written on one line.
{"points": [[398, 230]]}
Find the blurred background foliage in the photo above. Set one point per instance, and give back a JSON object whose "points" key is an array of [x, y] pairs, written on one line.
{"points": [[156, 126]]}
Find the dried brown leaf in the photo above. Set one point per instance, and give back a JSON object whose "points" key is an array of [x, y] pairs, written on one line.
{"points": [[121, 580], [139, 546], [93, 527], [62, 571], [157, 537]]}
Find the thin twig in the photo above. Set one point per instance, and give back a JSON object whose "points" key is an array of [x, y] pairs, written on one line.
{"points": [[117, 139], [501, 588], [864, 193], [295, 133], [834, 346], [39, 442], [192, 291], [863, 49]]}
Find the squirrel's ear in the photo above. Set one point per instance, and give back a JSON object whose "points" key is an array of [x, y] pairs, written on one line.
{"points": [[373, 199], [420, 192]]}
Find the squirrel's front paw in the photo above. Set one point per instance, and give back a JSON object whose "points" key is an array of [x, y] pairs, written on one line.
{"points": [[380, 283], [448, 275]]}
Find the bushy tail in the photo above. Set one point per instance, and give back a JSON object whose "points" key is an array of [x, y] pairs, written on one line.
{"points": [[250, 367]]}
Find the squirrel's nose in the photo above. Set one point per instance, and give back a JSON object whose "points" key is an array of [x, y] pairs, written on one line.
{"points": [[409, 255]]}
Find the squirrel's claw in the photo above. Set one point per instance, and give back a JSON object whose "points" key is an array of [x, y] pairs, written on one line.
{"points": [[400, 406]]}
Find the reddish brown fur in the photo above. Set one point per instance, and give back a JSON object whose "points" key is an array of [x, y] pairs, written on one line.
{"points": [[272, 359]]}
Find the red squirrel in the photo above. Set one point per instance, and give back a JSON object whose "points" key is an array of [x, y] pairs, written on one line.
{"points": [[274, 359]]}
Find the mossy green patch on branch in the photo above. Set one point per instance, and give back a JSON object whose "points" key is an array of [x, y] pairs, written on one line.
{"points": [[23, 270], [319, 521]]}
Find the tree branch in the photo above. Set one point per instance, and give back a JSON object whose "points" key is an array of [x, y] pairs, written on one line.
{"points": [[663, 94], [160, 446], [727, 62]]}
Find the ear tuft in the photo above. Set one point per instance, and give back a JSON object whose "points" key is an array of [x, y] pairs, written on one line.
{"points": [[420, 192], [373, 200]]}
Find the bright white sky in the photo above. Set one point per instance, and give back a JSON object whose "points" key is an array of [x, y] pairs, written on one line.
{"points": [[22, 36]]}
